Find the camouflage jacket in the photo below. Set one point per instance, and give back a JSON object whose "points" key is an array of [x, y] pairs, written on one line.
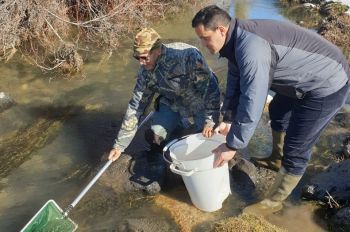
{"points": [[183, 81]]}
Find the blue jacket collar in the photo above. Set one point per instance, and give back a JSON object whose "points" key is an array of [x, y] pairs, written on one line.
{"points": [[228, 50]]}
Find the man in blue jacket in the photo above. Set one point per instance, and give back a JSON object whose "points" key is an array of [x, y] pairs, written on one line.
{"points": [[309, 75]]}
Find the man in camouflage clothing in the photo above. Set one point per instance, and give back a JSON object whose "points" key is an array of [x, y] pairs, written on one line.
{"points": [[185, 85]]}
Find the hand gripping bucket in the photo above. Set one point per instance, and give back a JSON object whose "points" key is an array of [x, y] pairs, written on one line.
{"points": [[192, 158]]}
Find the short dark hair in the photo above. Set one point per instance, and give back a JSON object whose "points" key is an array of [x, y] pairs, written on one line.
{"points": [[211, 17]]}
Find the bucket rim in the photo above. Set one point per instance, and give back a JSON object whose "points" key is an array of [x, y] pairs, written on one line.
{"points": [[167, 150], [178, 144]]}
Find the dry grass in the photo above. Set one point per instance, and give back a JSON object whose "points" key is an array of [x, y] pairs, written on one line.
{"points": [[181, 210], [53, 34], [246, 223]]}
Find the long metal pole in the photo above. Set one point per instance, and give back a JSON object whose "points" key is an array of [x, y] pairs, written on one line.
{"points": [[92, 182]]}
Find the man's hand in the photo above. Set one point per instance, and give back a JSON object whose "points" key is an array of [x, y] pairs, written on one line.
{"points": [[208, 132], [114, 154], [223, 128], [222, 155]]}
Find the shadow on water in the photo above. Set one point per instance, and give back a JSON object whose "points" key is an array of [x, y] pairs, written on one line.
{"points": [[93, 126], [64, 141]]}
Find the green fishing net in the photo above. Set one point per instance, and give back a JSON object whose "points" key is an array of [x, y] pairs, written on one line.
{"points": [[50, 219]]}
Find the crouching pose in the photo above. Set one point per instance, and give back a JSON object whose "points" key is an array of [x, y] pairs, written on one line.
{"points": [[185, 85]]}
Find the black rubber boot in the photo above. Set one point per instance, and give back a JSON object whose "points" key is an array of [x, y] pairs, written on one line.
{"points": [[150, 169]]}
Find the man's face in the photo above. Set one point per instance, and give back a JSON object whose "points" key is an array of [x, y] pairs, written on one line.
{"points": [[148, 60], [213, 40]]}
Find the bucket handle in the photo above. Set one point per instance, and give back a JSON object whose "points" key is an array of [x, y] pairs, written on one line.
{"points": [[180, 172], [167, 147]]}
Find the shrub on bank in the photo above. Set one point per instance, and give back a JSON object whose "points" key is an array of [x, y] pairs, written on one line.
{"points": [[51, 34]]}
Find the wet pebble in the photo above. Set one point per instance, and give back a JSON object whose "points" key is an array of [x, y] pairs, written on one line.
{"points": [[5, 101], [309, 5]]}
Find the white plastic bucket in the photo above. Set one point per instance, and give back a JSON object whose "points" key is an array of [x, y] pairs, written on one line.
{"points": [[192, 158]]}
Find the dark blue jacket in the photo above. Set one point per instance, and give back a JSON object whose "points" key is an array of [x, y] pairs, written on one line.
{"points": [[290, 60]]}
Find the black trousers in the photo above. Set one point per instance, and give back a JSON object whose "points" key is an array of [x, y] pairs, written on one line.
{"points": [[303, 120]]}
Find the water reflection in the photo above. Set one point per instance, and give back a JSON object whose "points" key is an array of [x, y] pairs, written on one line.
{"points": [[255, 9]]}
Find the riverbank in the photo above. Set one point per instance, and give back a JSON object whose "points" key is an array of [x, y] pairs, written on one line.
{"points": [[58, 36], [344, 2], [328, 18]]}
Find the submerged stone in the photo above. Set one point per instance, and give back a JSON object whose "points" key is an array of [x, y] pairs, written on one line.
{"points": [[136, 173], [5, 101]]}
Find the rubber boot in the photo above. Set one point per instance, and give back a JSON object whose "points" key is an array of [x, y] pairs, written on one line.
{"points": [[281, 189], [273, 162], [148, 172]]}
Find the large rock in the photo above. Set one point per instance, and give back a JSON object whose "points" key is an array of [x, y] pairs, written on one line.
{"points": [[334, 181], [250, 182], [135, 174], [333, 188]]}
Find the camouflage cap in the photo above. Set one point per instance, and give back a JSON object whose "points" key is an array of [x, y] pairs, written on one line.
{"points": [[146, 40]]}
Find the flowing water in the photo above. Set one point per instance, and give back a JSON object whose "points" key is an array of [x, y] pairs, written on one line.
{"points": [[70, 124]]}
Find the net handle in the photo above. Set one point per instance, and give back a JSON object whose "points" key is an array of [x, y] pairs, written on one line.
{"points": [[93, 181]]}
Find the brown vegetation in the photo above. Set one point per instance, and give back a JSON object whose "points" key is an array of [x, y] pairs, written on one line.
{"points": [[52, 34], [328, 18], [337, 30], [246, 223], [181, 210]]}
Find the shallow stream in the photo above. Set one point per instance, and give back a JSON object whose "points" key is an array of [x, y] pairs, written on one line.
{"points": [[72, 124]]}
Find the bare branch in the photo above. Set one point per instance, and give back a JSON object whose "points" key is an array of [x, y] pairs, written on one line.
{"points": [[53, 29], [84, 24], [331, 201], [48, 68], [28, 26], [77, 24]]}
